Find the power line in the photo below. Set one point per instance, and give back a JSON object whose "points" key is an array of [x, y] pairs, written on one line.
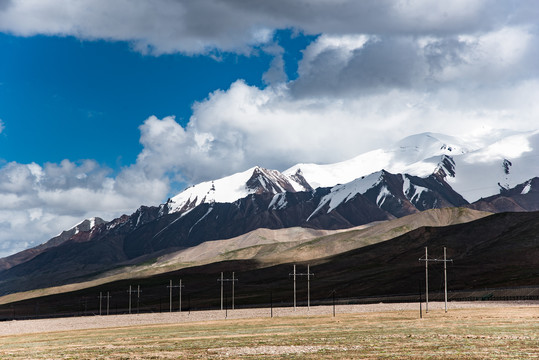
{"points": [[222, 280], [130, 291], [427, 260], [100, 298], [108, 301], [308, 274], [180, 297]]}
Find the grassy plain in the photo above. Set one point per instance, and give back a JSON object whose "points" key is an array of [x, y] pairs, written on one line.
{"points": [[485, 333]]}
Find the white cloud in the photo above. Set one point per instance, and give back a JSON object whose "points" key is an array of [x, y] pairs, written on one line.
{"points": [[158, 26], [37, 202], [246, 126], [354, 92], [164, 26], [494, 57]]}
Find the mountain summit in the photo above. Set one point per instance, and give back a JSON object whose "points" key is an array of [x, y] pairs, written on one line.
{"points": [[475, 168], [256, 180]]}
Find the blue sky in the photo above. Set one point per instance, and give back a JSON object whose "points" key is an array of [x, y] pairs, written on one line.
{"points": [[105, 106], [85, 99]]}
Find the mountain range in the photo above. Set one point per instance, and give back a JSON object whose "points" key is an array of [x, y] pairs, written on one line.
{"points": [[495, 173]]}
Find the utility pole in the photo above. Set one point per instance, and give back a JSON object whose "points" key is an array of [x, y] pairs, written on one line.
{"points": [[138, 299], [108, 302], [426, 281], [271, 303], [233, 290], [130, 291], [180, 300], [294, 286], [333, 296], [130, 299], [100, 301], [180, 296], [308, 288], [222, 280], [445, 278], [445, 261], [308, 274], [170, 287], [420, 302]]}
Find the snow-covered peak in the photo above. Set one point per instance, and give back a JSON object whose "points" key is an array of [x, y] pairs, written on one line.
{"points": [[474, 167], [86, 225], [418, 155], [256, 180], [83, 226], [421, 146]]}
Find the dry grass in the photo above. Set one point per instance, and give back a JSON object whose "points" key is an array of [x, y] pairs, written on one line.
{"points": [[484, 333]]}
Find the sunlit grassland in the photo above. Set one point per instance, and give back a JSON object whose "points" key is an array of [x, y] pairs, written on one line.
{"points": [[492, 333]]}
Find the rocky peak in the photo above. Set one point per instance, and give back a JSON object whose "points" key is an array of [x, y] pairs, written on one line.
{"points": [[270, 181]]}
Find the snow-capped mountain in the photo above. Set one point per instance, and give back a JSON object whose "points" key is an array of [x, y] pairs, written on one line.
{"points": [[417, 155], [256, 180], [397, 194], [474, 168], [421, 172]]}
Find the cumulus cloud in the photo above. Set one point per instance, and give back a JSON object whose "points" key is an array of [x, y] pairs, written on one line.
{"points": [[158, 26], [164, 26], [339, 66], [356, 92], [246, 126], [38, 201]]}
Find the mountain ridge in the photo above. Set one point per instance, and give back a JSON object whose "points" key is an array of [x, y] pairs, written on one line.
{"points": [[281, 245], [272, 199]]}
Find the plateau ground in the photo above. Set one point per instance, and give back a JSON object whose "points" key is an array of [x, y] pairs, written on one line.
{"points": [[477, 331]]}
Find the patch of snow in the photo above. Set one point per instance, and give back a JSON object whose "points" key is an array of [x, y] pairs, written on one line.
{"points": [[412, 192], [186, 212], [169, 225], [139, 217], [199, 220], [417, 194], [527, 188], [382, 196], [278, 202], [342, 193], [112, 225]]}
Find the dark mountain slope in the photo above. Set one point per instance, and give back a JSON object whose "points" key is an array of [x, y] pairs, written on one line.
{"points": [[150, 231], [500, 250]]}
